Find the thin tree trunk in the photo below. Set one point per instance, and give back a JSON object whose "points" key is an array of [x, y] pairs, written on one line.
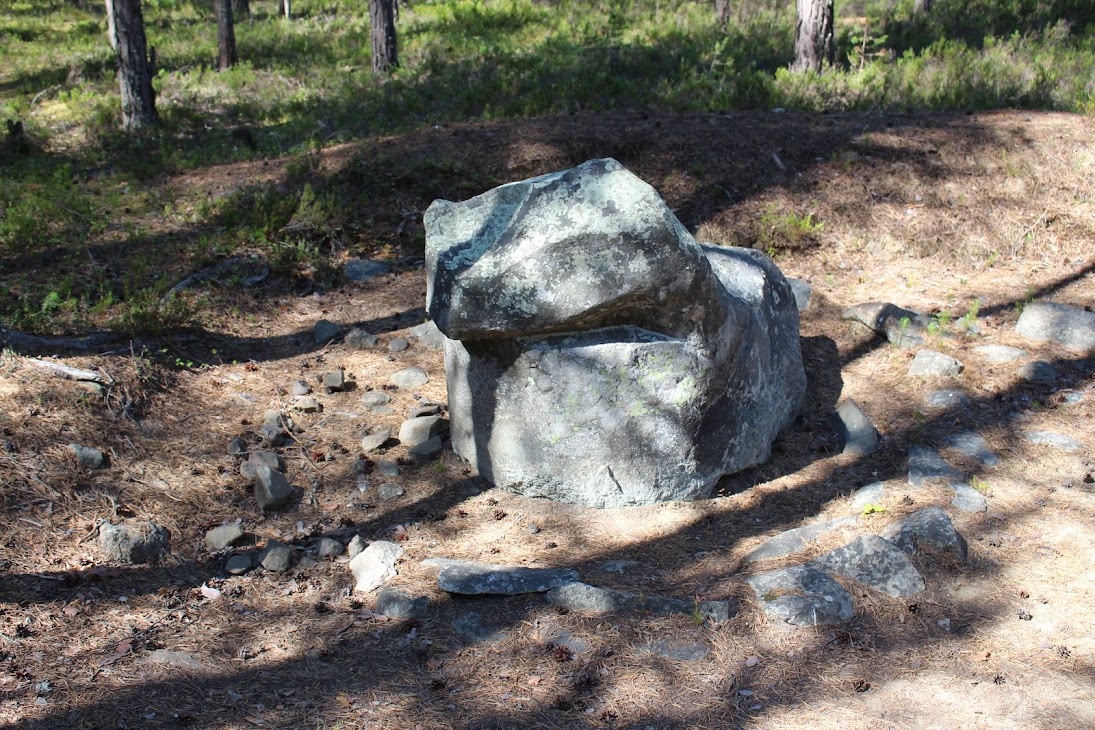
{"points": [[382, 35], [814, 46], [241, 8], [110, 25], [922, 6], [283, 8], [134, 68], [226, 35], [722, 11]]}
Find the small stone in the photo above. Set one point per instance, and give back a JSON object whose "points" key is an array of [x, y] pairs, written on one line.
{"points": [[944, 623], [267, 458], [926, 464], [381, 410], [1051, 322], [133, 544], [947, 399], [1038, 371], [222, 536], [471, 628], [429, 410], [856, 434], [307, 404], [412, 377], [276, 557], [802, 596], [335, 382], [872, 494], [415, 431], [533, 529], [802, 292], [324, 331], [478, 579], [375, 565], [272, 491], [1055, 440], [386, 468], [620, 566], [577, 596], [429, 449], [237, 565], [999, 353], [428, 334], [676, 651], [356, 545], [387, 491], [375, 398], [89, 457], [272, 435], [796, 539], [299, 387], [929, 528], [373, 441], [359, 270], [328, 547], [274, 417], [968, 499], [306, 562], [972, 445], [874, 562], [902, 327], [398, 344], [359, 339], [931, 364], [236, 446], [178, 659], [394, 603]]}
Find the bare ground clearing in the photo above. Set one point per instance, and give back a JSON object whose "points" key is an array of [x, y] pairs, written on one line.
{"points": [[929, 212]]}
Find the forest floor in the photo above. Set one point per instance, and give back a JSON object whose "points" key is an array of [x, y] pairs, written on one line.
{"points": [[946, 214]]}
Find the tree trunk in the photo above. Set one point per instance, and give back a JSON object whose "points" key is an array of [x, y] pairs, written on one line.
{"points": [[814, 46], [922, 6], [226, 35], [110, 25], [283, 8], [241, 8], [722, 11], [134, 68], [382, 35]]}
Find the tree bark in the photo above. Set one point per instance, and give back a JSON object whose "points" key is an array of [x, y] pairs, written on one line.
{"points": [[722, 11], [814, 46], [134, 68], [226, 35], [241, 8], [922, 6], [382, 35], [110, 25], [284, 8]]}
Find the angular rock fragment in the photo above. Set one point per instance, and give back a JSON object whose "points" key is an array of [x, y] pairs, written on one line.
{"points": [[133, 543], [324, 331], [237, 565], [972, 445], [428, 334], [89, 457], [328, 547], [359, 339], [276, 557], [335, 381], [874, 562], [415, 431], [478, 578], [791, 541], [254, 459], [375, 565], [932, 364], [373, 441], [1056, 440], [356, 545], [428, 449], [856, 435], [802, 596], [948, 399], [928, 528], [272, 491], [872, 494], [803, 293], [359, 270], [387, 491], [968, 499], [222, 536]]}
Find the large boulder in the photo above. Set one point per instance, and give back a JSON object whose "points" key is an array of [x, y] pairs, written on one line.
{"points": [[595, 352]]}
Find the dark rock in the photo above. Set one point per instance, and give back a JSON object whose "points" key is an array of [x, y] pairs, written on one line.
{"points": [[236, 446], [133, 544], [926, 464], [359, 270], [306, 562], [856, 435], [89, 457], [237, 565], [1038, 371], [335, 382], [874, 562], [386, 468], [1051, 322], [325, 331], [394, 603], [272, 435], [375, 565], [328, 547], [620, 566], [605, 357], [431, 448], [802, 596], [931, 364], [796, 539], [254, 459], [276, 557], [359, 339], [412, 377], [901, 327], [578, 596], [803, 293], [1055, 440], [373, 441], [222, 536], [471, 628], [428, 334], [929, 528], [398, 344], [478, 578], [415, 431], [272, 491], [387, 491]]}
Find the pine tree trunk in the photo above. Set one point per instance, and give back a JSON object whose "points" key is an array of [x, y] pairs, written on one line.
{"points": [[226, 35], [110, 25], [241, 8], [382, 35], [722, 11], [922, 6], [134, 69], [284, 8], [814, 46]]}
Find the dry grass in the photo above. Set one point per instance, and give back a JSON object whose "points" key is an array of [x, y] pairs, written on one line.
{"points": [[300, 650]]}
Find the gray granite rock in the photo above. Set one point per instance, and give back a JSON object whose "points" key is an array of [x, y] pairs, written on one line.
{"points": [[802, 596], [856, 435], [928, 528], [427, 410], [796, 539], [222, 536], [276, 557], [597, 353], [306, 404], [431, 448], [254, 459], [387, 468], [901, 327], [237, 565], [802, 291], [328, 547], [968, 499], [359, 339], [925, 464], [306, 562], [677, 651], [373, 441], [324, 331], [932, 364], [948, 399], [398, 344], [375, 565], [415, 431], [271, 435], [874, 562], [387, 491], [578, 596], [472, 629], [236, 446], [359, 270], [335, 381], [133, 543], [375, 398], [394, 603], [88, 457], [299, 387], [428, 334], [972, 445], [1056, 440], [412, 377], [998, 354], [872, 494], [505, 580], [272, 491], [620, 566], [1038, 371], [1051, 322], [356, 545]]}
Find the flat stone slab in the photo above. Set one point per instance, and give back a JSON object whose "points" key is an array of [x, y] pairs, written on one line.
{"points": [[929, 528], [478, 578], [926, 464], [855, 432], [373, 441], [415, 431], [412, 377], [584, 597], [932, 364], [1051, 322], [222, 536], [968, 499], [375, 565], [1038, 371], [677, 651], [901, 327], [946, 399], [471, 628], [802, 596], [796, 539], [973, 445], [1055, 440], [394, 603], [999, 353], [872, 494], [874, 562]]}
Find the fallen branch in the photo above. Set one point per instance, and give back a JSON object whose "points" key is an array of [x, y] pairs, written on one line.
{"points": [[67, 372], [209, 274], [23, 342]]}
